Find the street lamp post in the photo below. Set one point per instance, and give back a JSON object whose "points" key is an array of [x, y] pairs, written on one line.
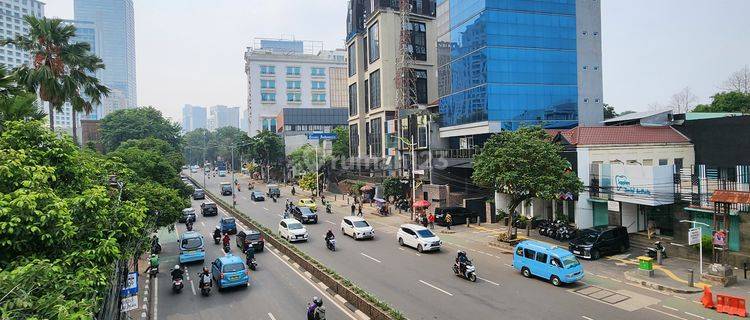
{"points": [[700, 244], [317, 169], [413, 168], [203, 165], [234, 196]]}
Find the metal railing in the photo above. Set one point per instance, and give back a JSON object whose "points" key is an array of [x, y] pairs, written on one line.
{"points": [[455, 153]]}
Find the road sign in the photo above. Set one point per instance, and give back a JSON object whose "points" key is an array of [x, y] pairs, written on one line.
{"points": [[419, 171], [694, 236], [131, 285], [322, 136], [129, 303]]}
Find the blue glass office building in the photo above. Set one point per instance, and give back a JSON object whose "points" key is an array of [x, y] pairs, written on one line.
{"points": [[504, 64]]}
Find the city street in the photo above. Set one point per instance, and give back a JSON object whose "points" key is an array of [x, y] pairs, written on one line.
{"points": [[277, 290], [423, 286]]}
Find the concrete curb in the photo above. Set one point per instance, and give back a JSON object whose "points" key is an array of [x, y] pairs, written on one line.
{"points": [[653, 285]]}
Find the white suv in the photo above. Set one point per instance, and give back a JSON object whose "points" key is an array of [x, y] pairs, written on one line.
{"points": [[357, 227], [418, 237], [292, 230]]}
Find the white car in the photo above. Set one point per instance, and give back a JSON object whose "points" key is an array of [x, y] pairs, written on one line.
{"points": [[418, 237], [292, 230], [357, 227]]}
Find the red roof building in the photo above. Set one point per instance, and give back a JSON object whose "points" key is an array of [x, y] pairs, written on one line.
{"points": [[621, 135]]}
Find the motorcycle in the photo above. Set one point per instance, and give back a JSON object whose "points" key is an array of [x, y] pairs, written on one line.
{"points": [[205, 287], [189, 226], [227, 247], [331, 244], [470, 271], [217, 240], [177, 285], [252, 264], [328, 208], [153, 271], [651, 252], [274, 198], [156, 248]]}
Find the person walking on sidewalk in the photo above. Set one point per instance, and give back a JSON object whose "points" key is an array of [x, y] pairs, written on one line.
{"points": [[431, 220], [359, 211], [354, 208], [448, 220]]}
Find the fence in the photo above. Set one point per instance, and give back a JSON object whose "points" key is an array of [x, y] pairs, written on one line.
{"points": [[110, 308]]}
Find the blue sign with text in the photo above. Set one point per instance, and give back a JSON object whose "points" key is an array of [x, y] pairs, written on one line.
{"points": [[321, 136]]}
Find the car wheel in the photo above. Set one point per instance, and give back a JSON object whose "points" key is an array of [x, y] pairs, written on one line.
{"points": [[556, 281], [525, 272], [595, 254], [419, 248], [401, 242]]}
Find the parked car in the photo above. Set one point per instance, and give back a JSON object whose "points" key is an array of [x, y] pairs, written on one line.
{"points": [[252, 235], [228, 225], [458, 214], [591, 243], [257, 196], [199, 194], [229, 271], [307, 202], [273, 190], [418, 237], [549, 262], [209, 208], [188, 214], [226, 189], [357, 228], [292, 230], [304, 215]]}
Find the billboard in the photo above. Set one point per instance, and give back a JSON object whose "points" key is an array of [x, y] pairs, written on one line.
{"points": [[647, 185]]}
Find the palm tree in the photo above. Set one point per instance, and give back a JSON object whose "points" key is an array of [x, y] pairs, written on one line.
{"points": [[61, 71]]}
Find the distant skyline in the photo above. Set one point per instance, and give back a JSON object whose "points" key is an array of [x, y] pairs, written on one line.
{"points": [[651, 49]]}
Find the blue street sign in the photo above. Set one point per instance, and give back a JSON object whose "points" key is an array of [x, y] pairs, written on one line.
{"points": [[321, 136], [131, 285]]}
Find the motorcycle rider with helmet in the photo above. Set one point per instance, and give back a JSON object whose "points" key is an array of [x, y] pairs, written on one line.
{"points": [[177, 273], [461, 261]]}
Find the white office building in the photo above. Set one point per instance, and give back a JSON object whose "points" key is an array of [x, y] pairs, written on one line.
{"points": [[290, 74], [222, 116], [11, 16]]}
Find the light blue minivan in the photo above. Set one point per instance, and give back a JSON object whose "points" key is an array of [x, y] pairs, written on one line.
{"points": [[534, 258], [192, 247], [230, 271]]}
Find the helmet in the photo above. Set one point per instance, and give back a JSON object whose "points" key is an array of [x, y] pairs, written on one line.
{"points": [[460, 252], [318, 301], [153, 255], [177, 266], [205, 269]]}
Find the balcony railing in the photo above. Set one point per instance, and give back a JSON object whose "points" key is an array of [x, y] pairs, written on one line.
{"points": [[454, 153]]}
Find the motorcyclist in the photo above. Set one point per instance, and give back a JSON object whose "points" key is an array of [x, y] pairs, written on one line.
{"points": [[177, 272], [189, 225], [329, 236], [225, 241], [204, 278], [155, 247], [311, 307], [217, 233], [153, 263], [293, 191], [461, 260], [249, 252]]}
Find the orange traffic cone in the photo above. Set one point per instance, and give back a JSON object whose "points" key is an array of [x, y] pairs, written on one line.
{"points": [[707, 300]]}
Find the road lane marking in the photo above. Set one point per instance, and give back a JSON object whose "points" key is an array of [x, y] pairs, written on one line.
{"points": [[330, 222], [203, 224], [587, 318], [507, 265], [371, 258], [694, 315], [670, 308], [156, 298], [270, 315], [666, 313], [492, 282], [402, 249], [264, 208], [436, 288]]}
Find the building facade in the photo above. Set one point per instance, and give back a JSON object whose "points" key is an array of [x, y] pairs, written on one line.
{"points": [[506, 64], [222, 116], [193, 117], [114, 20], [290, 74], [11, 16], [295, 123], [373, 40]]}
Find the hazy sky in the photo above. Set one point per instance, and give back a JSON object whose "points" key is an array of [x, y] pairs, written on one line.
{"points": [[191, 51]]}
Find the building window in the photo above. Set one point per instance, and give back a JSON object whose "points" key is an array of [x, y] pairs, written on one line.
{"points": [[422, 131], [374, 44], [268, 97], [421, 83], [418, 45], [375, 90], [352, 53], [269, 124], [353, 99], [648, 162], [663, 162], [293, 71], [293, 84], [294, 97], [678, 163], [375, 137], [268, 84], [319, 97], [365, 59], [354, 140], [318, 85], [267, 70], [319, 72], [367, 96]]}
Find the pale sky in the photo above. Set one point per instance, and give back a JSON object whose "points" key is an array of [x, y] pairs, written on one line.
{"points": [[191, 51]]}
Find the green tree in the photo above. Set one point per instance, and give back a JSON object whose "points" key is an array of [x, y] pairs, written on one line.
{"points": [[307, 182], [128, 124], [149, 165], [609, 112], [227, 138], [524, 164], [341, 144], [393, 188], [169, 152], [727, 102], [61, 71], [164, 203], [303, 159], [20, 107], [267, 148], [197, 144]]}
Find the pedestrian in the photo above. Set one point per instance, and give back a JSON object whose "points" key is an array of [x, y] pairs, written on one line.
{"points": [[424, 220], [431, 220], [359, 211], [448, 220], [322, 198], [353, 208]]}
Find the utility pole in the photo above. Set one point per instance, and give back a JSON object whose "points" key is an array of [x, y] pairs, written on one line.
{"points": [[413, 168], [203, 165], [317, 168], [234, 196]]}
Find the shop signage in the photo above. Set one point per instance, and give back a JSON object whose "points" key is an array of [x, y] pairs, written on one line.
{"points": [[646, 185], [694, 236]]}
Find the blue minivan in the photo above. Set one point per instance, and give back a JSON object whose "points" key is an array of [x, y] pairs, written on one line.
{"points": [[230, 271], [534, 258], [228, 225], [192, 247]]}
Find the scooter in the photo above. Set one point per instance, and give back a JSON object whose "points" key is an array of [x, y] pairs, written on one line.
{"points": [[274, 198], [217, 240], [153, 271], [227, 248], [328, 208], [189, 226], [470, 271], [156, 248], [331, 244], [205, 287], [651, 252], [252, 264], [177, 285]]}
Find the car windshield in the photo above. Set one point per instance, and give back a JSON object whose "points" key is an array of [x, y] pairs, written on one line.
{"points": [[588, 235], [198, 191], [425, 233], [305, 211], [210, 205], [227, 220], [256, 193], [360, 224], [295, 226], [191, 243], [570, 262], [253, 236], [233, 267]]}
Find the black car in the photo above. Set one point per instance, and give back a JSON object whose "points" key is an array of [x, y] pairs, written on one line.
{"points": [[591, 243], [209, 209], [257, 196], [458, 214], [304, 215], [188, 214], [252, 235], [198, 194]]}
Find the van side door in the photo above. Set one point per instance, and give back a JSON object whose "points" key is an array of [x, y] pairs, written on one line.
{"points": [[529, 260], [542, 269]]}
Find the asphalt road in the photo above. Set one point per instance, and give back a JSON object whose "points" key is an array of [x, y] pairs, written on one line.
{"points": [[276, 291], [424, 287]]}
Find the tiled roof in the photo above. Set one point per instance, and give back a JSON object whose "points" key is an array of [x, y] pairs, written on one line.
{"points": [[622, 135], [731, 196]]}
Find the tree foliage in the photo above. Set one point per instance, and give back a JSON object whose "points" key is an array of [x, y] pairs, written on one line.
{"points": [[732, 101], [393, 188], [303, 159], [524, 164], [307, 182], [341, 144], [139, 123]]}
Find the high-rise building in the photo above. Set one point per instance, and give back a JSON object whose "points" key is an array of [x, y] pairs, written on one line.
{"points": [[115, 27], [222, 116], [243, 120], [193, 117], [290, 73], [373, 40], [12, 24], [507, 64]]}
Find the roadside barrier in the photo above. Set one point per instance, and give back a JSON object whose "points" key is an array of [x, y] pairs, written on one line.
{"points": [[707, 300], [731, 305]]}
